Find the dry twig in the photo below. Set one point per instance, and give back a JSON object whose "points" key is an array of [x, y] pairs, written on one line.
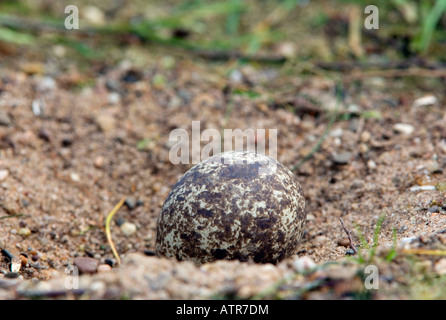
{"points": [[349, 236]]}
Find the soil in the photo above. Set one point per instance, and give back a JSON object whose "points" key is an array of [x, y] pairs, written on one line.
{"points": [[74, 142]]}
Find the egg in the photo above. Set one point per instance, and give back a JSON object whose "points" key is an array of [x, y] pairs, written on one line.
{"points": [[235, 205]]}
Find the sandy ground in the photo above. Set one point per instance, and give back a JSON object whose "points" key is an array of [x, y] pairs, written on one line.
{"points": [[69, 153]]}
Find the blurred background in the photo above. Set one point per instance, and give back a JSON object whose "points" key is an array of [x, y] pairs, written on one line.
{"points": [[289, 31]]}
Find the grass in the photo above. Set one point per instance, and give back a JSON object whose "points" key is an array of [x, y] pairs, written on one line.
{"points": [[371, 248]]}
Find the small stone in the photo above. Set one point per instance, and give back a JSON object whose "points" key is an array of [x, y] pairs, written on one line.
{"points": [[99, 162], [130, 203], [38, 107], [404, 128], [59, 51], [44, 134], [433, 209], [149, 253], [425, 101], [75, 177], [94, 15], [86, 264], [336, 133], [5, 120], [12, 275], [441, 186], [354, 109], [104, 268], [287, 49], [406, 241], [112, 85], [321, 240], [354, 124], [119, 221], [371, 165], [440, 267], [310, 217], [3, 174], [31, 68], [105, 121], [114, 98], [24, 232], [433, 167], [236, 76], [128, 228], [109, 261], [422, 188], [365, 136], [349, 252], [46, 84], [344, 242], [342, 158], [303, 264]]}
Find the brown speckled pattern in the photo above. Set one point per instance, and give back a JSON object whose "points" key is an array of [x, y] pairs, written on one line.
{"points": [[235, 205]]}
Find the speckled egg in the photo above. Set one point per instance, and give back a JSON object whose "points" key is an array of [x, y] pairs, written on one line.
{"points": [[234, 205]]}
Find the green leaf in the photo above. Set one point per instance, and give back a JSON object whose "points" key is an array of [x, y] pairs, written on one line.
{"points": [[12, 36]]}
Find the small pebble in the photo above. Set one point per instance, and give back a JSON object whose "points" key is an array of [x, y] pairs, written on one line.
{"points": [[441, 186], [354, 109], [303, 264], [349, 252], [149, 253], [342, 158], [114, 98], [130, 203], [110, 262], [310, 217], [94, 15], [422, 188], [236, 76], [406, 241], [3, 174], [371, 164], [119, 221], [86, 264], [365, 136], [128, 228], [425, 101], [104, 268], [99, 162], [12, 275], [440, 267], [344, 242], [75, 177], [5, 120], [433, 167], [38, 107], [44, 134], [336, 133], [16, 265], [404, 128], [433, 209], [112, 85], [24, 232], [106, 122], [46, 84], [354, 124]]}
